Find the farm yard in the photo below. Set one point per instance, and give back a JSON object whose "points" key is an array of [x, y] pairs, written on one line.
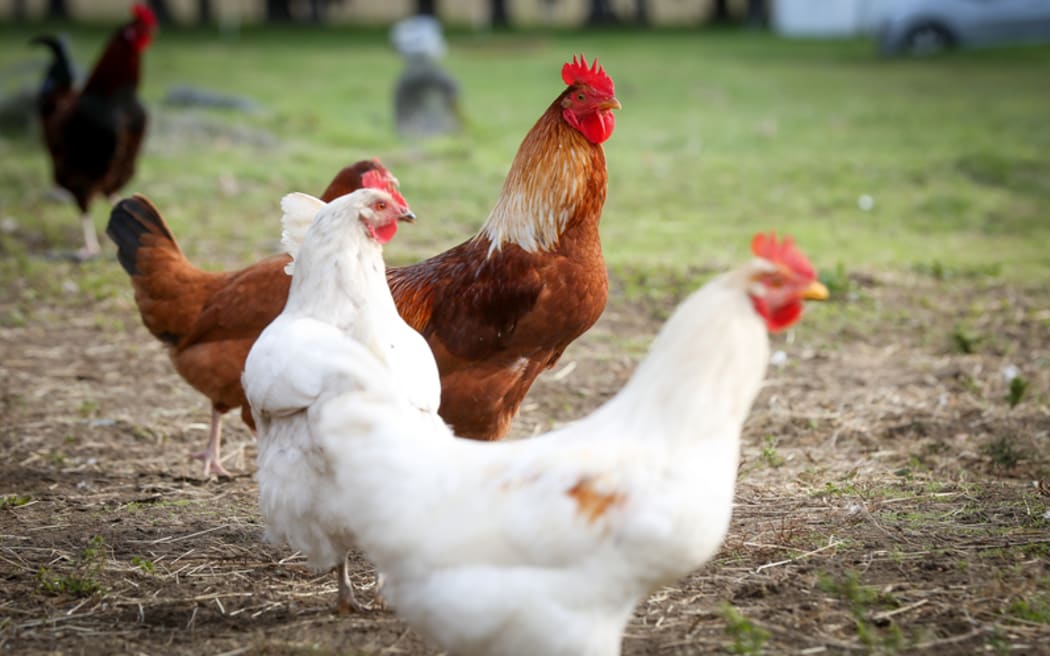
{"points": [[894, 488]]}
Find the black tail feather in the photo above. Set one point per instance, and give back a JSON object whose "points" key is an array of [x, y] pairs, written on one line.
{"points": [[128, 221], [60, 72]]}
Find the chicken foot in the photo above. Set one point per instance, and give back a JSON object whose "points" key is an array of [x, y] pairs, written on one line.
{"points": [[211, 455]]}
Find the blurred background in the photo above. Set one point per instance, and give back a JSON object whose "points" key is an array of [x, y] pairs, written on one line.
{"points": [[738, 115]]}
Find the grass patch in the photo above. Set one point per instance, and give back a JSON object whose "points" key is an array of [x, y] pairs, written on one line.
{"points": [[966, 340], [1018, 388], [14, 500], [769, 452], [1036, 609], [745, 132], [144, 564], [747, 637], [82, 578]]}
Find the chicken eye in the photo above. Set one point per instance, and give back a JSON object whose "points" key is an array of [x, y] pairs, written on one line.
{"points": [[774, 281], [381, 205], [581, 97]]}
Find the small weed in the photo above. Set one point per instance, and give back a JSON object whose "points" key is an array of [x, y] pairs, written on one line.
{"points": [[965, 340], [14, 500], [1003, 452], [998, 643], [935, 269], [849, 588], [939, 271], [839, 489], [747, 638], [88, 408], [83, 580], [74, 585], [144, 564], [14, 318], [1018, 387], [970, 384], [769, 452], [861, 598], [838, 282]]}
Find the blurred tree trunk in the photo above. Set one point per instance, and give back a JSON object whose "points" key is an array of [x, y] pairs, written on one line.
{"points": [[18, 11], [57, 9], [721, 12], [601, 14], [160, 8], [498, 16], [204, 12], [757, 13], [427, 7], [278, 11]]}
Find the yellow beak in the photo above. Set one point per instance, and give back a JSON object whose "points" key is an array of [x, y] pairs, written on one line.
{"points": [[815, 292], [611, 103]]}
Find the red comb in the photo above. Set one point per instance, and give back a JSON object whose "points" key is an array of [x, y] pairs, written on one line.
{"points": [[143, 14], [576, 72], [765, 246], [381, 179]]}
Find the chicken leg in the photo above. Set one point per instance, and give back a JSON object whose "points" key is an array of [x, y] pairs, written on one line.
{"points": [[211, 454], [347, 601], [91, 248]]}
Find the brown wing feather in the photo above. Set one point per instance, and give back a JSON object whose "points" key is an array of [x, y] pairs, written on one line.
{"points": [[246, 303]]}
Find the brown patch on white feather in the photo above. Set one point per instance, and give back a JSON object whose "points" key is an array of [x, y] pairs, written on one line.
{"points": [[592, 503]]}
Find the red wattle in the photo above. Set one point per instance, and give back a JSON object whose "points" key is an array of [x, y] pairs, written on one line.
{"points": [[596, 126], [780, 318], [384, 233]]}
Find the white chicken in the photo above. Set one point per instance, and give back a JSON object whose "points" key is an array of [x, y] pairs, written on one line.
{"points": [[339, 306], [546, 545]]}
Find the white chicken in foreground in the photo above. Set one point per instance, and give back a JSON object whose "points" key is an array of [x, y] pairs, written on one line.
{"points": [[546, 545], [339, 305]]}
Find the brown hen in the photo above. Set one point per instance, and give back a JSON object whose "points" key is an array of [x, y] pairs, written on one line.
{"points": [[208, 320]]}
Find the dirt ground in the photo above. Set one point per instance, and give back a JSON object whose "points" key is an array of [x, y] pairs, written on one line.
{"points": [[890, 497]]}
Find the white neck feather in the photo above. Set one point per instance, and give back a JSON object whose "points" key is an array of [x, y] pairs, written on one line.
{"points": [[703, 370]]}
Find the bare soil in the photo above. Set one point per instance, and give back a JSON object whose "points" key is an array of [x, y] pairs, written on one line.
{"points": [[890, 498]]}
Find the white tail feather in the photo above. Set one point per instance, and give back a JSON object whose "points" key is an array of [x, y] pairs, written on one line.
{"points": [[299, 211]]}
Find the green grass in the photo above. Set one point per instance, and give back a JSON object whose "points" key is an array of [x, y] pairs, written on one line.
{"points": [[81, 576], [721, 134]]}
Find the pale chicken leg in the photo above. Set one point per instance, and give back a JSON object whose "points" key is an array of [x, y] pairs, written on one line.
{"points": [[210, 455]]}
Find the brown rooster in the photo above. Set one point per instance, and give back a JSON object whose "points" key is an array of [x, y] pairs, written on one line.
{"points": [[93, 136], [209, 320], [500, 308]]}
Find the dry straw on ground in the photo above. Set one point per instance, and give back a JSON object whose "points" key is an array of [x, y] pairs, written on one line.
{"points": [[890, 498]]}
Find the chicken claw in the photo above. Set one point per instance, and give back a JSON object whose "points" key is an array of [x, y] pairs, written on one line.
{"points": [[212, 463]]}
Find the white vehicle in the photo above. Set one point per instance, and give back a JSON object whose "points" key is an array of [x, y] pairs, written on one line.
{"points": [[925, 27]]}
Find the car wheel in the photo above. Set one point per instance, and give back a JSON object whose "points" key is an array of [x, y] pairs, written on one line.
{"points": [[927, 39]]}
